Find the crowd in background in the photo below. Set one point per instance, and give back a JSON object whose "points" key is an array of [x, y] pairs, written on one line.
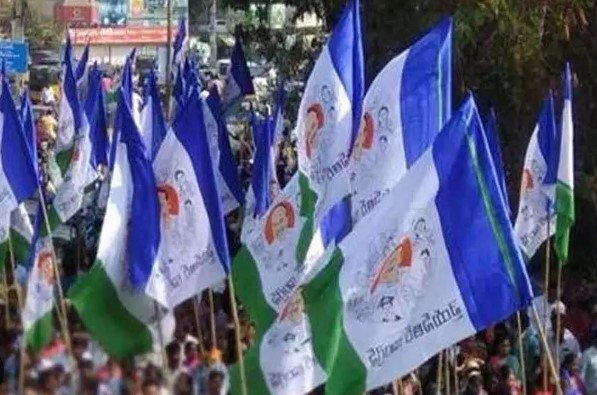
{"points": [[197, 361]]}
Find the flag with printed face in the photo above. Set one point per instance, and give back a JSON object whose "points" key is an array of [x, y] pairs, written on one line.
{"points": [[153, 125], [404, 109], [193, 251], [238, 80], [535, 221], [110, 298], [73, 148], [39, 301], [443, 227], [329, 112], [18, 179], [229, 186], [565, 183]]}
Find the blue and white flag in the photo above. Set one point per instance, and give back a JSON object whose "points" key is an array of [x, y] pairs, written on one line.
{"points": [[276, 131], [178, 92], [193, 253], [74, 161], [536, 213], [493, 140], [18, 179], [229, 186], [81, 73], [153, 124], [329, 113], [96, 115], [28, 120], [261, 172], [404, 109], [434, 263], [180, 41], [238, 80]]}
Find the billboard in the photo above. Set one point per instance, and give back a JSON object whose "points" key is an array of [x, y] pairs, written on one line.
{"points": [[114, 12], [14, 55], [156, 11]]}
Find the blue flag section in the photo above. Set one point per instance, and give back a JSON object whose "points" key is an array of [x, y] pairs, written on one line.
{"points": [[261, 170], [82, 64], [153, 123], [491, 129], [179, 41], [238, 81], [28, 120], [94, 109]]}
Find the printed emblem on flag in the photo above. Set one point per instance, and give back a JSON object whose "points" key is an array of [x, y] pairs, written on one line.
{"points": [[533, 198], [288, 333], [279, 222], [169, 202], [45, 265], [364, 139], [396, 273]]}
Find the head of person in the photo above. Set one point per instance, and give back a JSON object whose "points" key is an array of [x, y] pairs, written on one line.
{"points": [[570, 363], [558, 315], [173, 355], [49, 376], [183, 385], [190, 350], [503, 347], [215, 382], [151, 387], [474, 382]]}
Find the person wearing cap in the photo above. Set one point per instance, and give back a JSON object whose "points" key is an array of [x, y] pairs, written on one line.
{"points": [[588, 370], [567, 343], [48, 377]]}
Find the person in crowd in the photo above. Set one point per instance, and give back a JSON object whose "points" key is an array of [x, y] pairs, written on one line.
{"points": [[567, 343], [47, 96], [589, 367], [508, 384], [474, 383], [174, 368], [48, 377], [531, 346], [572, 382], [504, 357], [215, 384], [212, 363], [49, 127]]}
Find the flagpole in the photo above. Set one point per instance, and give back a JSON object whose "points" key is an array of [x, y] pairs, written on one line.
{"points": [[447, 369], [438, 377], [239, 351], [169, 58], [547, 352], [212, 319], [161, 336], [22, 346], [558, 316], [521, 351], [6, 306], [198, 324], [61, 310], [546, 295]]}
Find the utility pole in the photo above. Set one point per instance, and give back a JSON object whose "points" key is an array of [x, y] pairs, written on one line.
{"points": [[213, 37], [18, 34]]}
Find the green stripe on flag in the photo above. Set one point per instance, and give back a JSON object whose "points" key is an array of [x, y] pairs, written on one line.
{"points": [[323, 301], [564, 219], [249, 290], [40, 334], [63, 160], [3, 255], [95, 298], [253, 373], [500, 238], [21, 247]]}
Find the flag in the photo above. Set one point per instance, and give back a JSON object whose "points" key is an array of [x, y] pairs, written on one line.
{"points": [[180, 41], [276, 134], [404, 109], [239, 82], [95, 113], [39, 301], [329, 112], [229, 186], [81, 73], [434, 263], [535, 221], [261, 171], [178, 92], [153, 125], [110, 298], [28, 120], [193, 251], [493, 140], [565, 182], [18, 179]]}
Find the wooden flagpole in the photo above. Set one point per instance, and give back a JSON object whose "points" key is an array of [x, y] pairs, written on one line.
{"points": [[438, 377], [198, 324], [158, 315], [212, 320], [23, 345], [521, 350], [239, 351], [558, 316], [6, 306], [447, 369], [546, 304], [548, 356]]}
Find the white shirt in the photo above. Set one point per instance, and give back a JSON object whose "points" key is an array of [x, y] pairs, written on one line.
{"points": [[589, 370], [47, 95], [567, 346]]}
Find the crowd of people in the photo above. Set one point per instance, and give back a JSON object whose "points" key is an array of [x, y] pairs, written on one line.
{"points": [[507, 359]]}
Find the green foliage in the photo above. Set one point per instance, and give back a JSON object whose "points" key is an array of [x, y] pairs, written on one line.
{"points": [[40, 34]]}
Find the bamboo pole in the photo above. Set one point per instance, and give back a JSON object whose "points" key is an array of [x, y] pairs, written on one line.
{"points": [[447, 369], [546, 305], [455, 370], [198, 324], [438, 377], [521, 350], [158, 315], [239, 351], [558, 330], [6, 306], [548, 356], [212, 320]]}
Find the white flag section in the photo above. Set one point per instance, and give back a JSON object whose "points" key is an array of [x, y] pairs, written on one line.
{"points": [[188, 261], [329, 107], [536, 219], [286, 356], [39, 301], [405, 107], [434, 263], [79, 174]]}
